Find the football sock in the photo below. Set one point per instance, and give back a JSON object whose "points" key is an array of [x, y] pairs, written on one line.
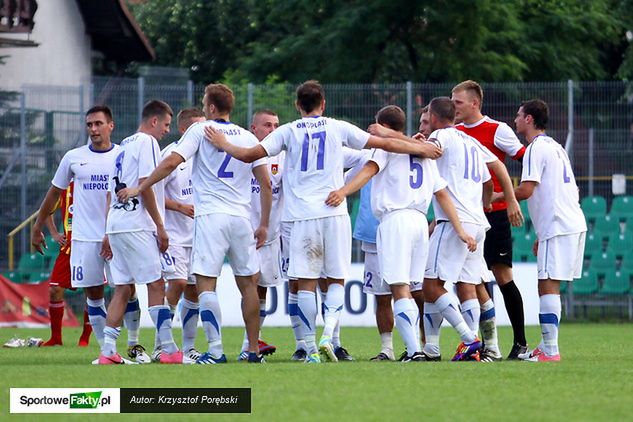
{"points": [[307, 312], [488, 326], [336, 334], [549, 318], [97, 316], [386, 343], [332, 308], [432, 325], [189, 312], [162, 321], [262, 312], [84, 340], [449, 311], [211, 318], [293, 311], [417, 323], [406, 315], [470, 312], [108, 344], [132, 320], [56, 312], [514, 306]]}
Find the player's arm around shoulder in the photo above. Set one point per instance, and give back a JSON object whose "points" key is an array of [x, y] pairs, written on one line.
{"points": [[369, 170], [217, 138], [393, 141]]}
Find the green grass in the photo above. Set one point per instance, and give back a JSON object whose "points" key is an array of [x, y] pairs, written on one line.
{"points": [[594, 381]]}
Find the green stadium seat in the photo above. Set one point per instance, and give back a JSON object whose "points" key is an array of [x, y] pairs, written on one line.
{"points": [[32, 262], [622, 207], [627, 262], [620, 244], [606, 227], [616, 283], [430, 215], [354, 211], [38, 276], [14, 276], [52, 247], [593, 207], [564, 286], [593, 245], [587, 284], [522, 247], [603, 263]]}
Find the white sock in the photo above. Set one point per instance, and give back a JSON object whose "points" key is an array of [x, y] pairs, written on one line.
{"points": [[332, 307], [211, 318], [488, 326], [417, 323], [189, 313], [132, 320], [386, 343], [449, 311], [162, 321], [336, 334], [110, 336], [307, 311], [432, 325], [471, 312], [406, 315], [549, 317], [293, 312], [97, 317]]}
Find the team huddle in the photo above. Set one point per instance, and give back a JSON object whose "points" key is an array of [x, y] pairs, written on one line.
{"points": [[273, 201]]}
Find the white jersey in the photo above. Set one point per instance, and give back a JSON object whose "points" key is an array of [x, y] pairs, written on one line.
{"points": [[136, 159], [91, 173], [221, 183], [314, 163], [403, 182], [178, 187], [553, 206], [463, 166], [275, 172]]}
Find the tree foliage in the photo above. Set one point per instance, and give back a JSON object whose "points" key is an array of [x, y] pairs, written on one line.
{"points": [[392, 40]]}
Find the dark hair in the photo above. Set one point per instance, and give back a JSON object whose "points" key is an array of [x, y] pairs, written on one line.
{"points": [[221, 96], [156, 108], [187, 114], [425, 109], [101, 109], [391, 116], [538, 110], [443, 108], [310, 95]]}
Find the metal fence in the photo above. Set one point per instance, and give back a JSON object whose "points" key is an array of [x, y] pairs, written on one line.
{"points": [[40, 123]]}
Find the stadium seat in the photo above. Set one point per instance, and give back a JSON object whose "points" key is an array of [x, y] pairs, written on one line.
{"points": [[622, 208], [430, 215], [593, 207], [564, 287], [616, 283], [620, 244], [32, 262], [522, 246], [38, 276], [627, 262], [587, 284], [52, 248], [593, 245], [603, 263], [606, 227], [14, 276], [354, 211]]}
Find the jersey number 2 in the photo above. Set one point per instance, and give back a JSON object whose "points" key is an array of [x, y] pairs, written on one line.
{"points": [[222, 173]]}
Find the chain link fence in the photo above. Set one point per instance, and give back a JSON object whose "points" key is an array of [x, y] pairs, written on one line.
{"points": [[40, 123]]}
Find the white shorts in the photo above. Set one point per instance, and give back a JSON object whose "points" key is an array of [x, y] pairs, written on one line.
{"points": [[218, 235], [270, 264], [135, 258], [86, 265], [373, 284], [561, 257], [321, 247], [403, 240], [180, 257], [449, 258], [285, 229]]}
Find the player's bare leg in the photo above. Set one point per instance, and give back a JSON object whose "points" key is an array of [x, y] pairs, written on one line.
{"points": [[384, 322], [488, 325]]}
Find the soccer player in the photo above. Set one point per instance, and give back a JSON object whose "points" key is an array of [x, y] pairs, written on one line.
{"points": [[60, 276], [320, 241], [89, 167], [549, 185], [179, 214], [137, 235], [501, 141], [262, 124], [401, 195], [222, 217]]}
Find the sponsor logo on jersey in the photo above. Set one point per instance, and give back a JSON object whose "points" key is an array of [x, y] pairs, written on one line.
{"points": [[274, 168]]}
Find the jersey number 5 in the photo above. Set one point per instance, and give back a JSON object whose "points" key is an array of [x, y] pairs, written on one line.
{"points": [[415, 179], [320, 136]]}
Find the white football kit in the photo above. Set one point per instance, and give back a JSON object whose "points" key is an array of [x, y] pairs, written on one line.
{"points": [[320, 241], [131, 230], [91, 173], [463, 166], [222, 201], [554, 209]]}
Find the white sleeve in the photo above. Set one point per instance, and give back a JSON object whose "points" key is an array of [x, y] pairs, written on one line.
{"points": [[487, 156], [190, 142], [147, 162], [506, 140], [438, 181], [63, 174], [353, 157], [275, 142], [533, 164], [438, 138], [353, 137], [380, 157], [486, 174]]}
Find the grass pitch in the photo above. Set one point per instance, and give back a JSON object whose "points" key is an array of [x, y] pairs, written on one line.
{"points": [[594, 381]]}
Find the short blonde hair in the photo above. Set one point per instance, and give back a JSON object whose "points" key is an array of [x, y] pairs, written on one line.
{"points": [[472, 88]]}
